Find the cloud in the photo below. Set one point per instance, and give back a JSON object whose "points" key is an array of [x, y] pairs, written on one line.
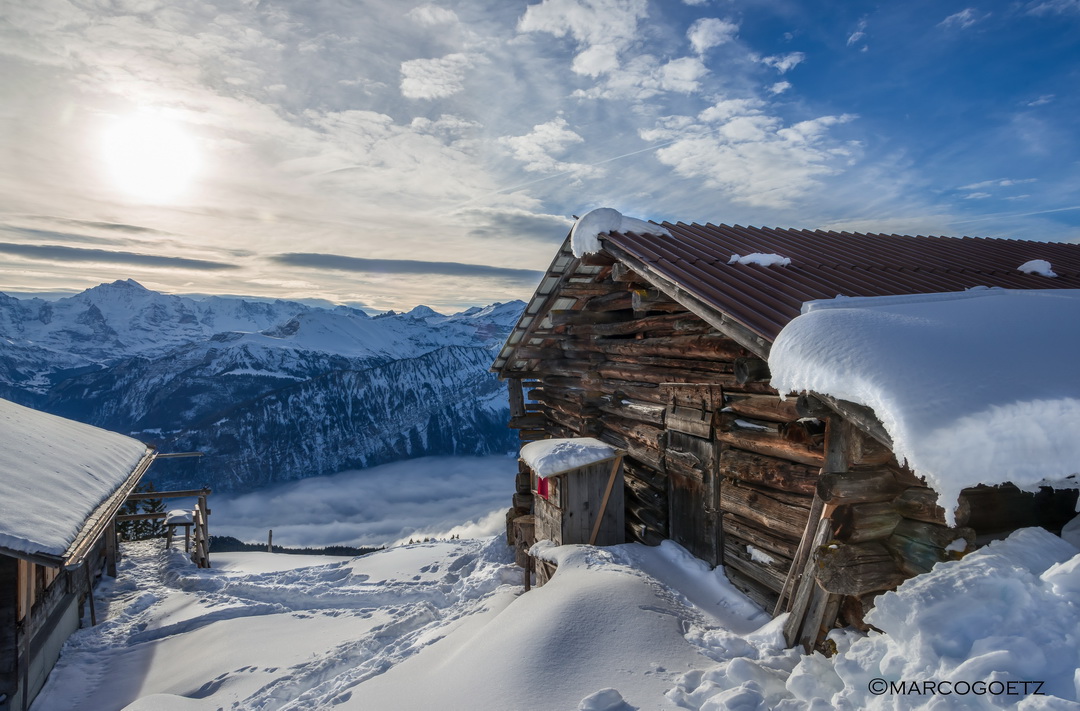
{"points": [[784, 63], [859, 32], [436, 78], [79, 254], [537, 149], [601, 28], [429, 15], [998, 183], [708, 32], [963, 19], [644, 77], [779, 87], [1042, 100], [1053, 7], [376, 506], [32, 233], [501, 223], [403, 266], [977, 196], [751, 157], [110, 226]]}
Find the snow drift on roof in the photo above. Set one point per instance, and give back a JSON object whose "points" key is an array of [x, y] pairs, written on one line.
{"points": [[765, 260], [975, 387], [1037, 266], [585, 235], [548, 457], [53, 473]]}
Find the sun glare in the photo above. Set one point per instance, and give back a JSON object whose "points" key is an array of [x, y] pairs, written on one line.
{"points": [[150, 157]]}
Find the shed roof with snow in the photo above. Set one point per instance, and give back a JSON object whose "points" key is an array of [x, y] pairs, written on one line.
{"points": [[694, 264], [60, 480]]}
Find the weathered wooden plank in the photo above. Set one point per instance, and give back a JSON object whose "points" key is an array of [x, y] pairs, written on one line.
{"points": [[637, 411], [772, 472], [858, 487], [759, 536], [754, 590], [516, 397], [683, 322], [857, 523], [920, 504], [773, 445], [805, 583], [856, 568], [751, 370], [764, 407], [707, 346], [770, 574], [764, 507]]}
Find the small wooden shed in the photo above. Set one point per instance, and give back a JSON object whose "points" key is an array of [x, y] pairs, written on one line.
{"points": [[657, 342], [61, 485]]}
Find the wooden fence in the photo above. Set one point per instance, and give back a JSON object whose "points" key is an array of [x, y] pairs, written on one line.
{"points": [[200, 550]]}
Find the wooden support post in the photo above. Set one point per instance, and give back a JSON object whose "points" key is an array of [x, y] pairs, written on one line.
{"points": [[90, 594], [270, 541], [801, 554], [28, 591], [806, 586], [517, 398], [603, 502], [111, 549]]}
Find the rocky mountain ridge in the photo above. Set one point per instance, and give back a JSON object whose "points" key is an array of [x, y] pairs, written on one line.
{"points": [[269, 391]]}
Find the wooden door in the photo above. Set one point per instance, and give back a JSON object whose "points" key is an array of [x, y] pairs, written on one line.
{"points": [[690, 461]]}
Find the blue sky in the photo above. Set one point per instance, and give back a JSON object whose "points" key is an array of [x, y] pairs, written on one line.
{"points": [[386, 154]]}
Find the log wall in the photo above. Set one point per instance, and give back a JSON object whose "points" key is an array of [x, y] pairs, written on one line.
{"points": [[716, 460]]}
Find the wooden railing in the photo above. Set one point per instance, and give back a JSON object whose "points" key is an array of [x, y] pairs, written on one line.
{"points": [[200, 553]]}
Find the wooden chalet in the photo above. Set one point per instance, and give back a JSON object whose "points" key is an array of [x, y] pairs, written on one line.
{"points": [[658, 344], [61, 485]]}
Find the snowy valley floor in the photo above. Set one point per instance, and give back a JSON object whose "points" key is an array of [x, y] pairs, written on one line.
{"points": [[447, 626]]}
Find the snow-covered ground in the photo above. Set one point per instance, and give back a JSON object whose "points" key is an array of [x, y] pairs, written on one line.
{"points": [[448, 626]]}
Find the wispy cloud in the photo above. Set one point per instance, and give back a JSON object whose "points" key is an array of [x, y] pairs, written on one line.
{"points": [[1053, 7], [403, 266], [1042, 100], [57, 253], [784, 63], [963, 19], [858, 33]]}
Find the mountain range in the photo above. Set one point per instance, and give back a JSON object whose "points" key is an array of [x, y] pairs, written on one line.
{"points": [[267, 391]]}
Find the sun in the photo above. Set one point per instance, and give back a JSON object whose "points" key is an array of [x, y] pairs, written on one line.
{"points": [[150, 157]]}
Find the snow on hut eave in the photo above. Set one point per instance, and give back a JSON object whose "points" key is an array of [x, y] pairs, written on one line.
{"points": [[102, 517]]}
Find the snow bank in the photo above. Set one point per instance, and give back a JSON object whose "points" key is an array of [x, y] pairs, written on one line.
{"points": [[974, 629], [978, 387], [55, 473], [585, 234], [1040, 267], [765, 260], [548, 457]]}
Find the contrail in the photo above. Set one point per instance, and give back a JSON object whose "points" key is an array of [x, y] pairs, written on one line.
{"points": [[999, 215]]}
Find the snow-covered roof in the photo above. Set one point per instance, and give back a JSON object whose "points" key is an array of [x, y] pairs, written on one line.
{"points": [[54, 473], [974, 387], [548, 457]]}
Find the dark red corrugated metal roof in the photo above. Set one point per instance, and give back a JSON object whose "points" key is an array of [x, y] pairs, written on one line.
{"points": [[827, 264]]}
